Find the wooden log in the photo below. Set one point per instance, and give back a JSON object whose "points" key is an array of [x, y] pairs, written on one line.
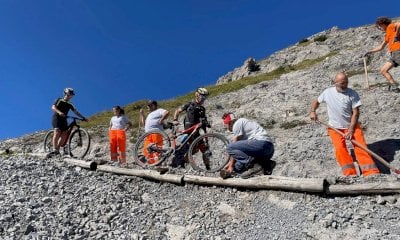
{"points": [[263, 182], [79, 163], [143, 173], [365, 188], [314, 185]]}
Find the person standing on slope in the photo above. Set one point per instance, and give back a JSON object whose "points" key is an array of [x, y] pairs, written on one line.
{"points": [[392, 39], [154, 120], [343, 106], [119, 124]]}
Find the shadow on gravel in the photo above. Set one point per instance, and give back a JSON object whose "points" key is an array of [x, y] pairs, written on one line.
{"points": [[387, 149]]}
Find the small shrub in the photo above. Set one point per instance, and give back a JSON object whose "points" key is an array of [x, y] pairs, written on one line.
{"points": [[304, 40], [268, 124], [320, 38]]}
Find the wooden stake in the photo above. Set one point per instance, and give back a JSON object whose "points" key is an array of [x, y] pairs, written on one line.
{"points": [[366, 73]]}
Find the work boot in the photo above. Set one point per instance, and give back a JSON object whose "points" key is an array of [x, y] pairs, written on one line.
{"points": [[394, 88], [251, 171], [53, 153], [66, 150], [224, 174], [269, 167]]}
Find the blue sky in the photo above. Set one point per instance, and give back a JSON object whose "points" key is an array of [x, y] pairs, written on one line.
{"points": [[115, 52]]}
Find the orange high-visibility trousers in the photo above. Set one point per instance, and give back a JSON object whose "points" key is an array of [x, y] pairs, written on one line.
{"points": [[118, 142], [345, 161], [154, 138]]}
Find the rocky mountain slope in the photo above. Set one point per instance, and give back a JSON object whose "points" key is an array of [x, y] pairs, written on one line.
{"points": [[47, 198]]}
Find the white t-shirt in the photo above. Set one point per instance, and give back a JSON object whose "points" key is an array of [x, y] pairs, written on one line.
{"points": [[249, 129], [153, 119], [340, 106], [119, 122]]}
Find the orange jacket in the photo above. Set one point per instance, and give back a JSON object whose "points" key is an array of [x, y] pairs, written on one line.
{"points": [[389, 38]]}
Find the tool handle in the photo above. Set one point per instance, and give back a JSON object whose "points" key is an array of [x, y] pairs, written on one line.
{"points": [[376, 156]]}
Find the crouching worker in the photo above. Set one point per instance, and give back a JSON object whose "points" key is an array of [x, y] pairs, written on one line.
{"points": [[119, 124], [343, 106], [251, 149]]}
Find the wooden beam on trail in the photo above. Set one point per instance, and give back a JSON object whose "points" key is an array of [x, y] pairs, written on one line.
{"points": [[314, 185], [364, 188], [143, 173]]}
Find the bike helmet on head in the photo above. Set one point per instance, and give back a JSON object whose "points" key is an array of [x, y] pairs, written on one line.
{"points": [[69, 91], [202, 91]]}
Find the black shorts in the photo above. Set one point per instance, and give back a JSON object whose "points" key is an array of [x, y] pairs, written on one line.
{"points": [[395, 58], [59, 122]]}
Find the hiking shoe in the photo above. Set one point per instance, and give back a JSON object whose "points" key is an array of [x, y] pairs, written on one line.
{"points": [[161, 170], [66, 150], [251, 171], [269, 167], [52, 154], [394, 88], [142, 158], [224, 174]]}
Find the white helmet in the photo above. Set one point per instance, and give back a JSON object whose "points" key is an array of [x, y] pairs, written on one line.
{"points": [[202, 91], [69, 91]]}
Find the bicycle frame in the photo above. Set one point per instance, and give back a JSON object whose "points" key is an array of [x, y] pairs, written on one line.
{"points": [[190, 131], [71, 127]]}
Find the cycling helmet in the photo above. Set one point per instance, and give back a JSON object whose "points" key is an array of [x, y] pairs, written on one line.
{"points": [[152, 102], [69, 91], [202, 91]]}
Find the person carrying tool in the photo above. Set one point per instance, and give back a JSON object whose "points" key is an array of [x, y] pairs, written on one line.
{"points": [[343, 105], [392, 39]]}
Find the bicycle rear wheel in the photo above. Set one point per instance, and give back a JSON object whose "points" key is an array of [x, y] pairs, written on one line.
{"points": [[48, 141], [208, 152], [79, 143], [152, 148]]}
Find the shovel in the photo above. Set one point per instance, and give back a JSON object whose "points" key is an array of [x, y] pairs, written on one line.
{"points": [[376, 156]]}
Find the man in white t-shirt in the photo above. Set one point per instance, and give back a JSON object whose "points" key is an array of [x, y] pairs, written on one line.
{"points": [[154, 120], [251, 149], [343, 106]]}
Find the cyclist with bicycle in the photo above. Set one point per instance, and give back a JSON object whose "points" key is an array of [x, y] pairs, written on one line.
{"points": [[195, 112], [61, 108]]}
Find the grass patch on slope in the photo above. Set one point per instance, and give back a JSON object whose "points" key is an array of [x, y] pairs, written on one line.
{"points": [[132, 110]]}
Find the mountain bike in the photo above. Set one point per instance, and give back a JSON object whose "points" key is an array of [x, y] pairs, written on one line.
{"points": [[78, 139], [206, 152]]}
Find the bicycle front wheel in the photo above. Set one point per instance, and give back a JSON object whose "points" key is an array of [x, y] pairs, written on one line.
{"points": [[48, 141], [152, 148], [79, 143], [208, 152]]}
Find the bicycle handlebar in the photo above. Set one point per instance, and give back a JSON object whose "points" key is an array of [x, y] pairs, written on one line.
{"points": [[76, 118]]}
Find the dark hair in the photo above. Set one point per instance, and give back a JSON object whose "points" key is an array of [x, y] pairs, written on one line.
{"points": [[383, 20], [121, 110], [152, 102]]}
